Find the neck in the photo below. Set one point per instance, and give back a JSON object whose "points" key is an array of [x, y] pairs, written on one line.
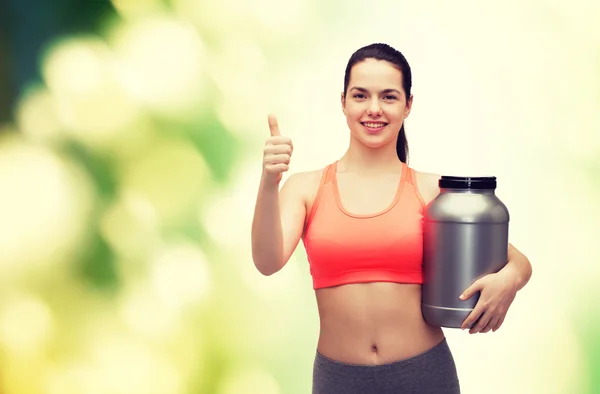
{"points": [[363, 159]]}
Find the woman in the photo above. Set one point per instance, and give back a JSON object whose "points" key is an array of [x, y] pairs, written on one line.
{"points": [[360, 220]]}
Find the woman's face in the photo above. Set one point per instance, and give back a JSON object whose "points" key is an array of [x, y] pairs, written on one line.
{"points": [[375, 103]]}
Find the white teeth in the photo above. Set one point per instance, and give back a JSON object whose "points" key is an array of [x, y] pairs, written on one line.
{"points": [[374, 125]]}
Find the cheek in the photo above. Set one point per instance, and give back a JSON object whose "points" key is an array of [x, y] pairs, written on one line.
{"points": [[398, 112], [353, 111]]}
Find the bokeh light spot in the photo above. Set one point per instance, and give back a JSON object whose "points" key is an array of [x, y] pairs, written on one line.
{"points": [[180, 275], [26, 325], [44, 206], [161, 63]]}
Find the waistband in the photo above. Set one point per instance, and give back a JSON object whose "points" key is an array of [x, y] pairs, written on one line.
{"points": [[438, 355]]}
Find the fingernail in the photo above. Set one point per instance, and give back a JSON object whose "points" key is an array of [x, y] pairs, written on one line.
{"points": [[462, 297]]}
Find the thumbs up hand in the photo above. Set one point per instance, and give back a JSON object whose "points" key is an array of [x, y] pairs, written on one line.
{"points": [[276, 154]]}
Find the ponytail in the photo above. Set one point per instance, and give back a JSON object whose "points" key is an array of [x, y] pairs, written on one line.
{"points": [[402, 145]]}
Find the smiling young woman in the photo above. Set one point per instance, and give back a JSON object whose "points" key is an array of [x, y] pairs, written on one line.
{"points": [[360, 219]]}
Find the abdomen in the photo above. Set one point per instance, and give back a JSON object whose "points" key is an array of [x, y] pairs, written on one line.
{"points": [[373, 323]]}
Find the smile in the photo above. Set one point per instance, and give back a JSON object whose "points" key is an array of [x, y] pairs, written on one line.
{"points": [[373, 127]]}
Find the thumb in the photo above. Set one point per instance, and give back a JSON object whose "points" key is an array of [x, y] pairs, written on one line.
{"points": [[273, 126], [475, 287]]}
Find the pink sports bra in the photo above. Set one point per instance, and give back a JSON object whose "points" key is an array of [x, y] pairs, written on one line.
{"points": [[386, 246]]}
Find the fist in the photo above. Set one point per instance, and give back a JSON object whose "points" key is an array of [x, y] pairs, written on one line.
{"points": [[277, 152]]}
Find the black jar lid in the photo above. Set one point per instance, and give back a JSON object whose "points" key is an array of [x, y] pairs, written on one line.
{"points": [[467, 182]]}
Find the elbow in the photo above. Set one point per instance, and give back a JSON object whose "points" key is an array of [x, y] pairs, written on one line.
{"points": [[526, 273], [266, 260], [529, 269], [521, 264], [266, 271], [266, 267]]}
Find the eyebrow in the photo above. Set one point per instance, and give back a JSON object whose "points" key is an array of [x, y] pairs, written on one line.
{"points": [[381, 92]]}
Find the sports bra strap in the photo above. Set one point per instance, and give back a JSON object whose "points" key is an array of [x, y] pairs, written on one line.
{"points": [[326, 176], [329, 173], [409, 175]]}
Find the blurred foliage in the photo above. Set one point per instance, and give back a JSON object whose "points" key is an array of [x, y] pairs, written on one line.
{"points": [[137, 280], [27, 27]]}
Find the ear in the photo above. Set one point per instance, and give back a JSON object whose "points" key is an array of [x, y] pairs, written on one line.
{"points": [[409, 103], [343, 99]]}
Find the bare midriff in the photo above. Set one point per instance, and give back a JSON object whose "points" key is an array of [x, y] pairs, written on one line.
{"points": [[373, 323]]}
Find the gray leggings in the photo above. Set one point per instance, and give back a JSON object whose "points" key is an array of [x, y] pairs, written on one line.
{"points": [[431, 372]]}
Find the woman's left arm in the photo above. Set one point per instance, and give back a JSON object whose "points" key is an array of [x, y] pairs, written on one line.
{"points": [[518, 267], [497, 292]]}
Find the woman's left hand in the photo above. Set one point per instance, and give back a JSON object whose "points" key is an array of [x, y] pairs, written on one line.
{"points": [[497, 292]]}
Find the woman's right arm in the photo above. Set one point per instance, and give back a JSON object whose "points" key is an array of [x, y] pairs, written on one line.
{"points": [[279, 214], [278, 222]]}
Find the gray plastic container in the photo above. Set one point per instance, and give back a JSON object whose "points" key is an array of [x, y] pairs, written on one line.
{"points": [[465, 237]]}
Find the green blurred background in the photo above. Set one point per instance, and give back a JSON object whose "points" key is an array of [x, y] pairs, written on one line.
{"points": [[130, 153]]}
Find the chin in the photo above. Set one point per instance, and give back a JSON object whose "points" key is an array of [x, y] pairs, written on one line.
{"points": [[373, 141]]}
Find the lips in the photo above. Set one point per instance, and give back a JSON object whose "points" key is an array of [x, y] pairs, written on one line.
{"points": [[373, 127]]}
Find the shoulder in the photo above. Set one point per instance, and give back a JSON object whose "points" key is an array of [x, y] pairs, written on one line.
{"points": [[428, 185], [302, 187], [303, 179], [303, 183]]}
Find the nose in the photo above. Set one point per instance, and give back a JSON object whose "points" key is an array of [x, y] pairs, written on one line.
{"points": [[374, 108]]}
